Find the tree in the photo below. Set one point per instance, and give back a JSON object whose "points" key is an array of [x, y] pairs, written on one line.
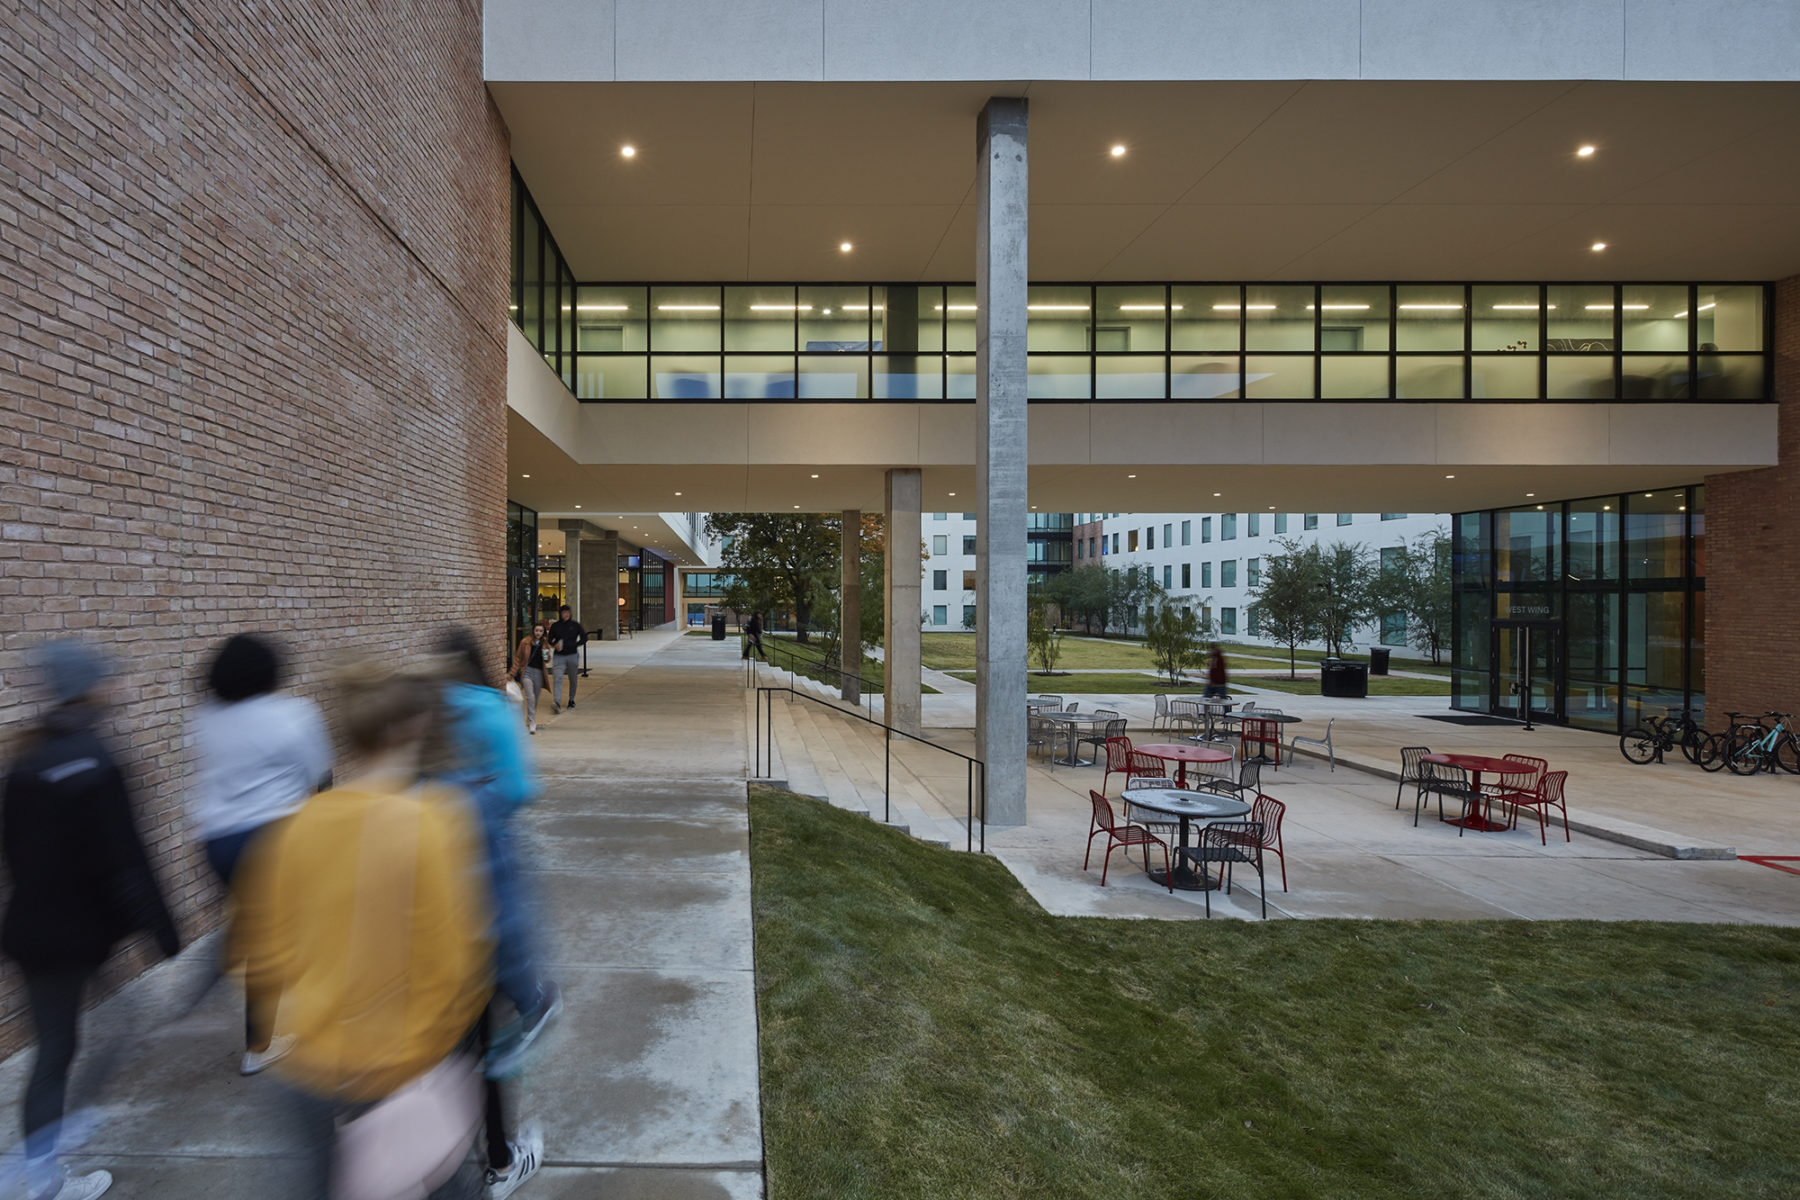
{"points": [[1044, 638], [1087, 594], [1287, 600], [777, 562], [1173, 636], [1415, 580], [1347, 593]]}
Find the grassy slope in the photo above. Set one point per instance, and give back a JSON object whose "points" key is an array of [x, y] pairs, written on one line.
{"points": [[927, 1031]]}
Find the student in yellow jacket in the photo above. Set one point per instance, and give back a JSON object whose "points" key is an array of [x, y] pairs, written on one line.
{"points": [[367, 912]]}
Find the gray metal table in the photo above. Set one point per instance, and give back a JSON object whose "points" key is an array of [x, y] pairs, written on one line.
{"points": [[1072, 720], [1184, 806]]}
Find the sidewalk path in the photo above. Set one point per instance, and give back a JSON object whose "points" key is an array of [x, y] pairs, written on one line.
{"points": [[648, 1086]]}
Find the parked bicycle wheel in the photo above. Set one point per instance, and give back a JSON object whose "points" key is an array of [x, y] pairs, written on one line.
{"points": [[1742, 754], [1787, 755], [1693, 741], [1711, 756], [1637, 745]]}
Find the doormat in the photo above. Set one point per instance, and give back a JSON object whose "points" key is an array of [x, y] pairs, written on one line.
{"points": [[1467, 719]]}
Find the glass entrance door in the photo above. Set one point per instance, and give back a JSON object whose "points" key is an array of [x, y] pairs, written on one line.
{"points": [[1527, 670]]}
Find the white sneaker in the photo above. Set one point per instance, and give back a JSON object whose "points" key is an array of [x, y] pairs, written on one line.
{"points": [[527, 1157], [79, 1187], [257, 1061], [532, 726]]}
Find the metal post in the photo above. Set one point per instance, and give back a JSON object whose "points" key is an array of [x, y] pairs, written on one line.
{"points": [[1525, 674], [887, 770], [756, 738]]}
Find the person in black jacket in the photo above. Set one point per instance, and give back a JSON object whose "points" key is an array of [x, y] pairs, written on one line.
{"points": [[81, 884]]}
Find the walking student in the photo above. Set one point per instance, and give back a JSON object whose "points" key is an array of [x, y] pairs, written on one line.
{"points": [[367, 913], [484, 755], [81, 882], [531, 670], [566, 637], [1215, 672], [261, 754], [754, 631]]}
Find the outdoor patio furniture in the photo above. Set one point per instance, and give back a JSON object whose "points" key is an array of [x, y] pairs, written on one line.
{"points": [[1249, 778], [1097, 738], [1330, 750], [1042, 736], [1268, 812], [1143, 765], [1127, 835], [1118, 760], [1160, 718], [1522, 781], [1444, 782], [1185, 712], [1261, 733], [1229, 843], [1549, 792], [1411, 770], [1050, 702], [1156, 823]]}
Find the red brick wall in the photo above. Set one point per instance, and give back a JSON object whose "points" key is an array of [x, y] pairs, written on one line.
{"points": [[1753, 568], [252, 358]]}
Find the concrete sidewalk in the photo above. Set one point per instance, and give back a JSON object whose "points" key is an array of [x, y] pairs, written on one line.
{"points": [[649, 1084]]}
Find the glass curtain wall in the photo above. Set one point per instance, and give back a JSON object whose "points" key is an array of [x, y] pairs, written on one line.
{"points": [[1620, 578], [521, 572]]}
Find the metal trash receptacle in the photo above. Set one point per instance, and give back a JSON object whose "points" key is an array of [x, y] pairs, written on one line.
{"points": [[718, 627], [1378, 660], [1339, 677]]}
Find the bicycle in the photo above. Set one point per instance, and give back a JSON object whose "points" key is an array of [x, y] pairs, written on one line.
{"points": [[1648, 743], [1761, 746]]}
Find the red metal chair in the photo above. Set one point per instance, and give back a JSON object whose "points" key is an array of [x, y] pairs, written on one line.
{"points": [[1266, 812], [1255, 731], [1145, 765], [1549, 792], [1524, 779], [1118, 760], [1120, 835]]}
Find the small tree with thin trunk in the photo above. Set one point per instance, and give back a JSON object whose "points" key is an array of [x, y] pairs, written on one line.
{"points": [[1044, 638], [1173, 638], [1287, 599]]}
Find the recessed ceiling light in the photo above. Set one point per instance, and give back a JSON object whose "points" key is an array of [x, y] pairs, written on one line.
{"points": [[845, 247], [1584, 152], [1597, 247], [815, 475], [1449, 477], [1684, 508], [628, 151], [578, 506], [1647, 495], [1529, 495], [1218, 494], [1540, 508], [1606, 508], [524, 477], [1118, 151], [952, 493], [796, 506], [1131, 477], [678, 493], [1271, 508]]}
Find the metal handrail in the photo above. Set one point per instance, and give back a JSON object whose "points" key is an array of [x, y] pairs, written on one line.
{"points": [[977, 770], [824, 663]]}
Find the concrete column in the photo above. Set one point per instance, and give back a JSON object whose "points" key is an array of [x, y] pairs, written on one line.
{"points": [[1000, 455], [850, 607], [901, 600], [572, 531], [599, 611]]}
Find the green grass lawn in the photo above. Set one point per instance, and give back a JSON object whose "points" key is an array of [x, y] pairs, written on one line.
{"points": [[782, 651], [956, 651], [927, 1031]]}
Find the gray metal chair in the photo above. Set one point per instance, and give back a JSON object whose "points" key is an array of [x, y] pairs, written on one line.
{"points": [[1096, 737], [1160, 718], [1412, 769], [1330, 750], [1246, 786], [1443, 781], [1152, 821]]}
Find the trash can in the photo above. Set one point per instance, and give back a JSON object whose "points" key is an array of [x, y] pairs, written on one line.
{"points": [[718, 627], [1378, 660], [1340, 677]]}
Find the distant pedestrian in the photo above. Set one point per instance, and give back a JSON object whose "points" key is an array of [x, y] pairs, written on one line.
{"points": [[566, 637], [754, 631], [531, 668], [261, 754], [367, 912], [81, 882], [1216, 674]]}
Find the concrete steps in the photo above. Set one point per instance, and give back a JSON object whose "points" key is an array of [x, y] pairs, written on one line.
{"points": [[840, 759]]}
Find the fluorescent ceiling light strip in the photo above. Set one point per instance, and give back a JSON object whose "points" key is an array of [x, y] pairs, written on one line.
{"points": [[1609, 308], [687, 308], [603, 308], [1147, 307], [957, 308], [1056, 307], [857, 307], [1433, 307], [1341, 307], [781, 308], [1517, 307], [1247, 307], [1704, 307]]}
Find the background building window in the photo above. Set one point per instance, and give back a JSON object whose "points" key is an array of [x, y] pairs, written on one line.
{"points": [[1168, 576], [939, 516], [1228, 620], [1115, 543], [1205, 529], [1227, 526], [1252, 572], [1393, 516], [968, 581], [1280, 522], [1255, 520], [1167, 539], [1131, 539], [1345, 518], [1187, 572], [940, 614], [940, 581], [1309, 521], [1228, 573], [1150, 538], [968, 616], [1393, 629], [1187, 531], [1206, 575], [968, 544], [940, 543]]}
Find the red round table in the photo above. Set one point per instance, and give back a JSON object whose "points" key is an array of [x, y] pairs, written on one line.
{"points": [[1475, 764], [1181, 756]]}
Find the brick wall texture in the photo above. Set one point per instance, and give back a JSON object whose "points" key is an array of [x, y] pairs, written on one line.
{"points": [[253, 266], [1753, 567]]}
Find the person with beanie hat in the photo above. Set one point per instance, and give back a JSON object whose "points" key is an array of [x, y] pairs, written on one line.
{"points": [[81, 883]]}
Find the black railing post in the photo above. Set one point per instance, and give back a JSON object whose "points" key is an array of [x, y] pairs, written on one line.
{"points": [[887, 772], [984, 808], [756, 738], [969, 817]]}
